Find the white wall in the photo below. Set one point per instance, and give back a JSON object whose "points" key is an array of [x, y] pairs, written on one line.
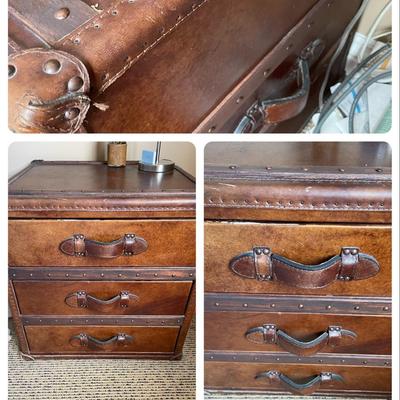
{"points": [[22, 153], [373, 10]]}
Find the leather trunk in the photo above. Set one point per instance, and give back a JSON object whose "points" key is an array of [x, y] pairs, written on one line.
{"points": [[89, 274], [298, 268], [171, 65]]}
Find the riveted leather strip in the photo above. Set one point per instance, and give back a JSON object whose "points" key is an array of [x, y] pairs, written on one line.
{"points": [[350, 259], [306, 276], [48, 92], [262, 263]]}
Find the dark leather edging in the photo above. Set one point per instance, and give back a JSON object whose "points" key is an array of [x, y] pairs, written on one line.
{"points": [[286, 358]]}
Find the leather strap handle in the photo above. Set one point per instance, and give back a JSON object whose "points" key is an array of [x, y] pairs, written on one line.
{"points": [[84, 340], [271, 112], [270, 334], [81, 299], [261, 264], [307, 388], [79, 246]]}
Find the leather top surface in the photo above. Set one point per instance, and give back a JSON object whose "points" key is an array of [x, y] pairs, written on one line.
{"points": [[64, 178], [298, 182], [299, 154]]}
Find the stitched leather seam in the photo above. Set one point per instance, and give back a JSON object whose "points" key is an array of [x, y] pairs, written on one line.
{"points": [[293, 178], [57, 208], [129, 64], [340, 207]]}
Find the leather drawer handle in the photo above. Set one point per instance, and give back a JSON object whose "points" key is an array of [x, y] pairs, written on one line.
{"points": [[84, 340], [309, 387], [270, 334], [79, 246], [263, 265], [82, 299], [271, 112]]}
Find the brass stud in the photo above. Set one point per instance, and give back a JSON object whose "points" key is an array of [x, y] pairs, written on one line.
{"points": [[347, 251], [329, 307], [102, 275], [357, 308], [258, 252], [273, 305], [354, 252], [386, 308], [75, 83], [62, 13], [245, 305], [216, 304], [301, 306], [12, 70], [72, 113], [52, 67]]}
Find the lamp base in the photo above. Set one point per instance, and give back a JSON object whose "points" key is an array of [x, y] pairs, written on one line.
{"points": [[162, 167]]}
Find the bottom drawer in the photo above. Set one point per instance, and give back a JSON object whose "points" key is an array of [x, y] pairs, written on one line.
{"points": [[298, 379], [100, 339]]}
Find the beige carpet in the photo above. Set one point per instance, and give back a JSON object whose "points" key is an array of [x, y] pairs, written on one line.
{"points": [[102, 379]]}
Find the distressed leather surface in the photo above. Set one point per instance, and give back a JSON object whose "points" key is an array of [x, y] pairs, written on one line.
{"points": [[46, 190], [360, 380], [212, 47], [304, 243], [373, 332], [299, 182], [46, 102], [37, 242], [152, 298], [56, 339]]}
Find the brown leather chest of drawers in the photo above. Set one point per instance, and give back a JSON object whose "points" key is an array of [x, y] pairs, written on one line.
{"points": [[101, 260], [298, 268]]}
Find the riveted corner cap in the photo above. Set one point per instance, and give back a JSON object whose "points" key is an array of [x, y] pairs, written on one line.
{"points": [[48, 92]]}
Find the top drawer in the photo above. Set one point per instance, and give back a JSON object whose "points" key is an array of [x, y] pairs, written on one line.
{"points": [[160, 243], [306, 260]]}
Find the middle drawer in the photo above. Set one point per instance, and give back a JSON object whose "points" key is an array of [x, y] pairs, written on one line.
{"points": [[96, 298], [302, 334]]}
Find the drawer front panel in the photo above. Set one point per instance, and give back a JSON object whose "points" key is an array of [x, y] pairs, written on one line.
{"points": [[305, 244], [37, 242], [226, 331], [222, 375], [64, 339], [101, 298]]}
